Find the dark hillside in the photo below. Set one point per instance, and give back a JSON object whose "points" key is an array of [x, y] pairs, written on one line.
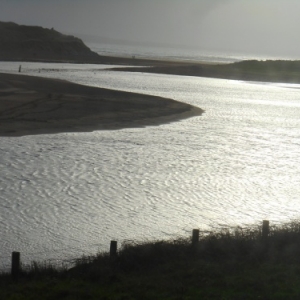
{"points": [[19, 42]]}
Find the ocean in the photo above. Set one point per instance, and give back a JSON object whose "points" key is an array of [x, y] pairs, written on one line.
{"points": [[68, 194], [178, 53]]}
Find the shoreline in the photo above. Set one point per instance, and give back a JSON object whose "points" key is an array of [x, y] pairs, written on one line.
{"points": [[33, 105], [271, 71]]}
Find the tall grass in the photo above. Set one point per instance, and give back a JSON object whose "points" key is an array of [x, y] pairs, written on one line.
{"points": [[238, 244], [244, 245]]}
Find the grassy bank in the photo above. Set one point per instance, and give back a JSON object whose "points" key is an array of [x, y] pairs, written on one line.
{"points": [[251, 70], [227, 264]]}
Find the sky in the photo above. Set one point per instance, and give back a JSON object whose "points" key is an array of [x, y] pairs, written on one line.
{"points": [[239, 26]]}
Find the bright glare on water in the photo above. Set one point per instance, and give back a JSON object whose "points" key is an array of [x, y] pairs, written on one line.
{"points": [[66, 194]]}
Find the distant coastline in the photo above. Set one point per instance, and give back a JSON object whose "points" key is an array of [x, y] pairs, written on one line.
{"points": [[37, 44]]}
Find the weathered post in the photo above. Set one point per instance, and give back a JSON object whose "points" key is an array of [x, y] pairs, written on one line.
{"points": [[265, 229], [15, 265], [20, 67], [113, 249], [195, 238]]}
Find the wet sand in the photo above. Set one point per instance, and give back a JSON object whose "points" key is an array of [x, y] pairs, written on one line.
{"points": [[33, 105]]}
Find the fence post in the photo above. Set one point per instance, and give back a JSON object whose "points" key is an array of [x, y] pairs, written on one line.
{"points": [[265, 229], [15, 265], [195, 237], [113, 249]]}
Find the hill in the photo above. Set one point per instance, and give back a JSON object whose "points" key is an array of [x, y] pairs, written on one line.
{"points": [[19, 42]]}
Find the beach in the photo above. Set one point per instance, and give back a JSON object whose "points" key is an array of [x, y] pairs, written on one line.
{"points": [[33, 105]]}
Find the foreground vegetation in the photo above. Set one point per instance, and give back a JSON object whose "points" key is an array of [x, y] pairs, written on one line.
{"points": [[228, 264]]}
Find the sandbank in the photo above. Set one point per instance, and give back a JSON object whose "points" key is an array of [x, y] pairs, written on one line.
{"points": [[33, 105]]}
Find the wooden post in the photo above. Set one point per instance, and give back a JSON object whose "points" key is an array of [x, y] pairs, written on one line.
{"points": [[195, 237], [265, 229], [15, 265], [20, 67], [113, 249]]}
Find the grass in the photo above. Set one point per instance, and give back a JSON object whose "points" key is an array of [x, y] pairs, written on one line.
{"points": [[226, 264], [249, 70], [269, 70]]}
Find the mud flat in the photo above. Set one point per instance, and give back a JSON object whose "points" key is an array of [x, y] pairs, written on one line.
{"points": [[33, 105]]}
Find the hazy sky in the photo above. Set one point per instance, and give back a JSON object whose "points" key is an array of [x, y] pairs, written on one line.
{"points": [[256, 26]]}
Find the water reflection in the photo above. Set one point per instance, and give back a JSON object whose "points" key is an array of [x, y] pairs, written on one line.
{"points": [[236, 164]]}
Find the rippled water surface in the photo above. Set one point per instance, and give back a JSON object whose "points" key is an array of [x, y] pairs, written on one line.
{"points": [[63, 195]]}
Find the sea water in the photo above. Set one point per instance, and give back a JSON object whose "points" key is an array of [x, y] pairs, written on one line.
{"points": [[177, 53], [68, 194]]}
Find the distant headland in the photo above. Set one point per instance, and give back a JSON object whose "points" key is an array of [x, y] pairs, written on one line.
{"points": [[38, 44], [19, 42]]}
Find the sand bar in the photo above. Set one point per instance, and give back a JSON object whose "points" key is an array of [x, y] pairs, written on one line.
{"points": [[33, 105]]}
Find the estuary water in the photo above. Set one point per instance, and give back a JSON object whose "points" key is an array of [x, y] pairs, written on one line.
{"points": [[64, 195]]}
